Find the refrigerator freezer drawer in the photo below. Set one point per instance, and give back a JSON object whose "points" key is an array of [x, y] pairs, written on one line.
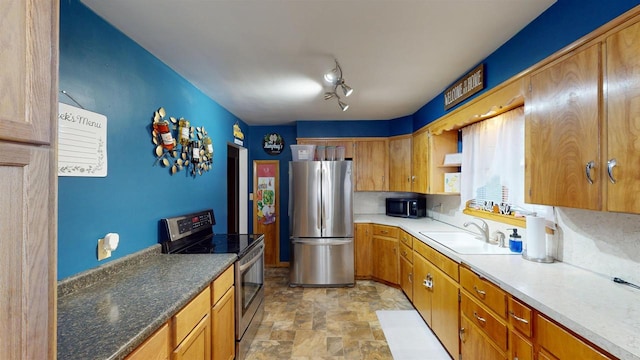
{"points": [[322, 262]]}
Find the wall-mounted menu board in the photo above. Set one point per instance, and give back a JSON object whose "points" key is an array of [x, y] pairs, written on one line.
{"points": [[82, 142]]}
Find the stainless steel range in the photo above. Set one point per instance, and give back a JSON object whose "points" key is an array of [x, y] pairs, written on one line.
{"points": [[193, 234]]}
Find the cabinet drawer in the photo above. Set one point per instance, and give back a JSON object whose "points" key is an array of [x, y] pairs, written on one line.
{"points": [[406, 252], [156, 347], [520, 316], [221, 284], [442, 262], [473, 344], [386, 231], [563, 344], [445, 264], [521, 348], [406, 239], [190, 315], [485, 291], [495, 329]]}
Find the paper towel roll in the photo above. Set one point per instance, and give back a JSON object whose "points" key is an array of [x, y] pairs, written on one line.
{"points": [[536, 238]]}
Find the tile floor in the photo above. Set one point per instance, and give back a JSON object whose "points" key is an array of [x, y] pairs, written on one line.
{"points": [[323, 323]]}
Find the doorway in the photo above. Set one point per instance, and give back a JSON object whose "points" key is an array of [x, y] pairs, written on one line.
{"points": [[237, 191]]}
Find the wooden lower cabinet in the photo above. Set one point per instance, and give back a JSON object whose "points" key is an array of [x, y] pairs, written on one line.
{"points": [[223, 320], [562, 344], [223, 327], [197, 344], [435, 297], [156, 347], [385, 252], [362, 240], [406, 277], [204, 329], [521, 348], [474, 345]]}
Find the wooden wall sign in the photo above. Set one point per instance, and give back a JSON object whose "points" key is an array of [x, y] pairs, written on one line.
{"points": [[468, 85]]}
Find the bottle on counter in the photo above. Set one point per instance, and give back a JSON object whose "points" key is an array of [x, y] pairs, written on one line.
{"points": [[515, 241]]}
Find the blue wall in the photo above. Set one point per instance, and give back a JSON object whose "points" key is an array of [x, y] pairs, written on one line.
{"points": [[108, 73], [563, 23]]}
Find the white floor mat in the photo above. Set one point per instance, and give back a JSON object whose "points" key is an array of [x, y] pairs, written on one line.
{"points": [[409, 337]]}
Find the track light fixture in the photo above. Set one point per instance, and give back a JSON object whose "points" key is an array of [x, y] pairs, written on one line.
{"points": [[334, 77]]}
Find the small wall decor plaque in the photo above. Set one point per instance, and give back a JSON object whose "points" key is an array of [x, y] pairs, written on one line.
{"points": [[273, 144]]}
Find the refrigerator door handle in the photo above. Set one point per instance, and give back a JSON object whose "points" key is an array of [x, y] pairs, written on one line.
{"points": [[319, 202], [326, 242]]}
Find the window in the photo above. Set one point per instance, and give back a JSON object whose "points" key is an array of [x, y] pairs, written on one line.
{"points": [[493, 163]]}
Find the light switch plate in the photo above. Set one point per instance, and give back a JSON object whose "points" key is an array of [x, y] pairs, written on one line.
{"points": [[102, 253]]}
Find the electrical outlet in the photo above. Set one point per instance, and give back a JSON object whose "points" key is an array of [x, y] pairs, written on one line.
{"points": [[102, 253]]}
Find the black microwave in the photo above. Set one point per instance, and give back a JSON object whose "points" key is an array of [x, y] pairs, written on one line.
{"points": [[406, 207]]}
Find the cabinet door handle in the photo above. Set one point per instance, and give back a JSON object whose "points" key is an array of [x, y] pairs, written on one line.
{"points": [[480, 292], [411, 278], [479, 318], [461, 334], [518, 318], [413, 179], [587, 169], [610, 164]]}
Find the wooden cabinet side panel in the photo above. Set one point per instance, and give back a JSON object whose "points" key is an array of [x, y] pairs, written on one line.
{"points": [[363, 245], [27, 274], [623, 127], [562, 132]]}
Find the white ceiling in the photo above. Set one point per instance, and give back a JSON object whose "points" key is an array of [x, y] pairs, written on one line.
{"points": [[264, 60]]}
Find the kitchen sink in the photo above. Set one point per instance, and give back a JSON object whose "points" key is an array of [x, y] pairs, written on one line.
{"points": [[465, 243]]}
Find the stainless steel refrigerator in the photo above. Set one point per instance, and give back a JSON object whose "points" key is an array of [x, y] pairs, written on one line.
{"points": [[321, 223]]}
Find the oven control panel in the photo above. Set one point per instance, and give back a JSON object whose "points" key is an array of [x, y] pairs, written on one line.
{"points": [[179, 227], [194, 223]]}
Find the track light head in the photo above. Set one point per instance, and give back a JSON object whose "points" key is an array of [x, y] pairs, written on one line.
{"points": [[334, 77]]}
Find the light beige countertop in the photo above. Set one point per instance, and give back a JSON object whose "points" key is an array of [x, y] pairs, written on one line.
{"points": [[592, 305]]}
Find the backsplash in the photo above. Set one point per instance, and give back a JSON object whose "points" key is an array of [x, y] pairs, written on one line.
{"points": [[603, 242]]}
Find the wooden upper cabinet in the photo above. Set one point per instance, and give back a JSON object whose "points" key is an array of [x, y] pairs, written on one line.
{"points": [[439, 146], [372, 165], [562, 130], [29, 59], [419, 162], [347, 144], [623, 111], [400, 163]]}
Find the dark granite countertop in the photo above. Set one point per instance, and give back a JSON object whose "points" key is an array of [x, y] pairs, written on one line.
{"points": [[107, 313]]}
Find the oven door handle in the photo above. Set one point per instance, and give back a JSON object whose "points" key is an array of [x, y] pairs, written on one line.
{"points": [[244, 267]]}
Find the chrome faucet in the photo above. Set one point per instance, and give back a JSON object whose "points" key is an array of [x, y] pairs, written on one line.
{"points": [[484, 229]]}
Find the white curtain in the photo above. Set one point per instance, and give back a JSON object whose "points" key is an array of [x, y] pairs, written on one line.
{"points": [[493, 160]]}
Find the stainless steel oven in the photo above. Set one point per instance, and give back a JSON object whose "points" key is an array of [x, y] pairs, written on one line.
{"points": [[249, 286], [193, 234]]}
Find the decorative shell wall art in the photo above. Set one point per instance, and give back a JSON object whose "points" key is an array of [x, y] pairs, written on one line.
{"points": [[180, 146]]}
